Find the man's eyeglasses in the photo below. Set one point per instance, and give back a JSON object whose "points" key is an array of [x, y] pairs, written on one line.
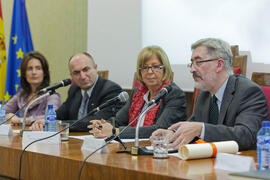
{"points": [[198, 63], [154, 68]]}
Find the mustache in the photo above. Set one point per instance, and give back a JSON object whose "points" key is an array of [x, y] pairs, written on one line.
{"points": [[195, 74]]}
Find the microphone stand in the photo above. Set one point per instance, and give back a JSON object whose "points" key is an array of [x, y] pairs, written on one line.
{"points": [[32, 102], [136, 150], [114, 136], [47, 94], [141, 150]]}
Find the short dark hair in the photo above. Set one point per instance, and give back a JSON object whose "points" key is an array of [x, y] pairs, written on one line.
{"points": [[45, 67]]}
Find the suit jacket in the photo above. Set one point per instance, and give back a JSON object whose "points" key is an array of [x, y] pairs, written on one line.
{"points": [[102, 92], [242, 110], [172, 109]]}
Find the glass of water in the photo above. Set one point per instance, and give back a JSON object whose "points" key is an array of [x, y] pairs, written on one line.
{"points": [[160, 147], [60, 126]]}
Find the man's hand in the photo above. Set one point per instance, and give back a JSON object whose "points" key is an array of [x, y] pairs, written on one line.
{"points": [[161, 132], [185, 133], [38, 125]]}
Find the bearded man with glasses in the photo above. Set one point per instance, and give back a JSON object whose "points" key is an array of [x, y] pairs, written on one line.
{"points": [[228, 107]]}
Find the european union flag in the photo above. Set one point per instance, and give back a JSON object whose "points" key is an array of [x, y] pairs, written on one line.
{"points": [[19, 44]]}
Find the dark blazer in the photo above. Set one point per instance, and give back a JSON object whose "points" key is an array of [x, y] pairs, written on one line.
{"points": [[102, 92], [172, 110], [242, 110]]}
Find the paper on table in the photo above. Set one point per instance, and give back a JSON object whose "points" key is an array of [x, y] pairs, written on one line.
{"points": [[234, 163], [123, 140], [81, 137], [17, 131], [205, 150]]}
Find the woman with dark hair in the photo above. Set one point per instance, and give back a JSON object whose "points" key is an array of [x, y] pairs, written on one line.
{"points": [[34, 76]]}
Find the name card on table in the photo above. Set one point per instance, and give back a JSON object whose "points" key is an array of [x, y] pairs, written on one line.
{"points": [[5, 129], [30, 136], [234, 163], [91, 144]]}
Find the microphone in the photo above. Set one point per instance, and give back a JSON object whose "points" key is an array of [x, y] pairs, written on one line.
{"points": [[164, 91], [63, 83], [122, 97]]}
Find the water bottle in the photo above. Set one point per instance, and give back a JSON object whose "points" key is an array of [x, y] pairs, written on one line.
{"points": [[263, 146], [50, 119], [2, 113]]}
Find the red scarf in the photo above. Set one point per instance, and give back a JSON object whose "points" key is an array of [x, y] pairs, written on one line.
{"points": [[137, 104]]}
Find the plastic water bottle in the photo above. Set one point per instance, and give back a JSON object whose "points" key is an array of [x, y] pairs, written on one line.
{"points": [[50, 119], [263, 146], [2, 113]]}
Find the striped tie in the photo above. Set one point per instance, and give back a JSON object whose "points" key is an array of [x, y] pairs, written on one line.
{"points": [[84, 105], [213, 111]]}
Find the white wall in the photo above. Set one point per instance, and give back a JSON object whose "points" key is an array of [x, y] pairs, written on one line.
{"points": [[115, 39]]}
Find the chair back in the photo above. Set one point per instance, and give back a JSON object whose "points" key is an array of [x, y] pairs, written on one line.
{"points": [[104, 73], [235, 50], [136, 82], [263, 79], [239, 63]]}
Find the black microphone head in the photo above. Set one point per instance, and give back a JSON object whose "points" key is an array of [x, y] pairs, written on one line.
{"points": [[66, 82], [62, 83], [123, 96], [168, 88]]}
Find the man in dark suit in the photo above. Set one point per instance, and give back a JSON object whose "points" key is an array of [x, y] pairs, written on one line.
{"points": [[88, 92], [228, 107]]}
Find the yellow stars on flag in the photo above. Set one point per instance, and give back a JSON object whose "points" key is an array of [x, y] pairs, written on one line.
{"points": [[14, 39], [7, 97], [16, 87], [19, 72], [19, 53]]}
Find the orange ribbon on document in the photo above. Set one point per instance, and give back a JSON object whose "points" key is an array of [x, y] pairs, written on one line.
{"points": [[200, 141]]}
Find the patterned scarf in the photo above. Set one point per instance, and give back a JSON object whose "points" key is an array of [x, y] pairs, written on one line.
{"points": [[137, 104]]}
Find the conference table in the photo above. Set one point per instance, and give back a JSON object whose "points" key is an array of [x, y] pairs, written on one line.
{"points": [[63, 161]]}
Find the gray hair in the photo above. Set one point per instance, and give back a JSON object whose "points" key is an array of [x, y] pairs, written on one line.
{"points": [[218, 48], [86, 54]]}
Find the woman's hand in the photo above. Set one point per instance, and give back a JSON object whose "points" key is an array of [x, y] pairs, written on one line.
{"points": [[100, 128], [15, 120], [38, 125]]}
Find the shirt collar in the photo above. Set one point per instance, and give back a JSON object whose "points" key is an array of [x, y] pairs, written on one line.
{"points": [[220, 92], [89, 91], [145, 97]]}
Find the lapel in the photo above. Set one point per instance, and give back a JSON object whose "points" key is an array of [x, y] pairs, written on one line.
{"points": [[76, 103], [93, 101], [227, 98]]}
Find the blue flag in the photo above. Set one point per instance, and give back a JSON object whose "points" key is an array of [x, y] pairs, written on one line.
{"points": [[19, 44]]}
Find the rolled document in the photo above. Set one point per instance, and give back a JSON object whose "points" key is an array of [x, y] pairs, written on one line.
{"points": [[206, 150]]}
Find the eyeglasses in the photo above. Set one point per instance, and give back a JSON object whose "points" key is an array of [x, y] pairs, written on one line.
{"points": [[154, 68], [198, 63]]}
